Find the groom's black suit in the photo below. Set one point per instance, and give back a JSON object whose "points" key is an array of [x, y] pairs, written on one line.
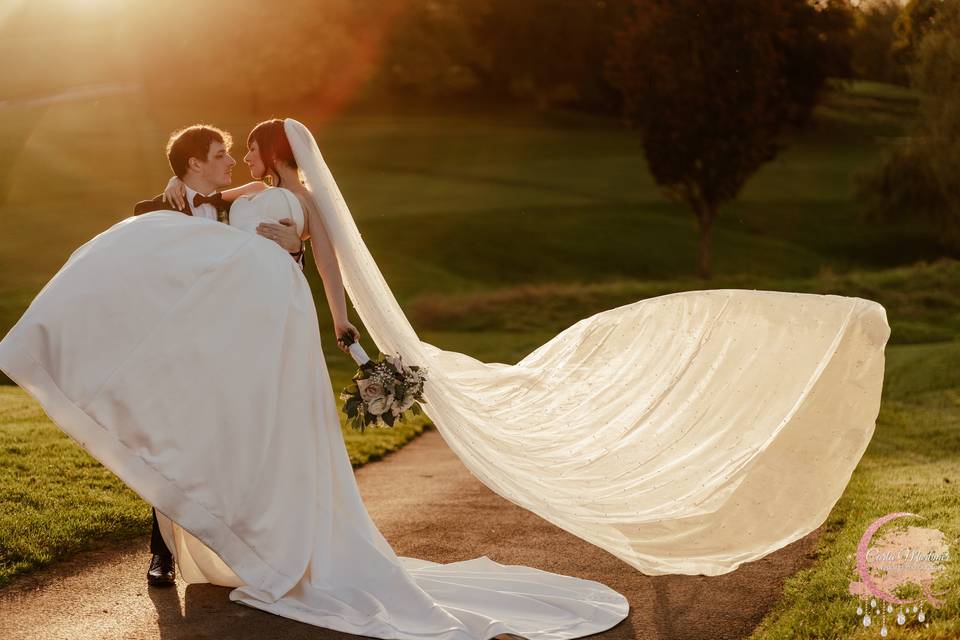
{"points": [[157, 545]]}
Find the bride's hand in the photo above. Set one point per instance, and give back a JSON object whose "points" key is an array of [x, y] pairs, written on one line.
{"points": [[345, 328], [175, 193]]}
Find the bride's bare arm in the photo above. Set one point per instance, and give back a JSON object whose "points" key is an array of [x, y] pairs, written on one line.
{"points": [[329, 268], [243, 190], [176, 191]]}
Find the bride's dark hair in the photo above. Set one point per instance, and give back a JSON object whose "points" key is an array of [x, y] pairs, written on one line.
{"points": [[274, 147]]}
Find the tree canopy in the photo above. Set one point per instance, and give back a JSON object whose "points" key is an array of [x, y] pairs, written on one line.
{"points": [[918, 175], [712, 87]]}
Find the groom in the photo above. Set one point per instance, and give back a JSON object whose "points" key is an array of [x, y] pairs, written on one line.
{"points": [[199, 156]]}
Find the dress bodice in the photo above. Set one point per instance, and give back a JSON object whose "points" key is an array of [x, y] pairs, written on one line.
{"points": [[271, 205]]}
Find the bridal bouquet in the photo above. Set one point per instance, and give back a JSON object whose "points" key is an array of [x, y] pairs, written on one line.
{"points": [[381, 390]]}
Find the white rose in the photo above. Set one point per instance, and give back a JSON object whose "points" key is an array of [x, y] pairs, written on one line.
{"points": [[378, 405], [370, 389]]}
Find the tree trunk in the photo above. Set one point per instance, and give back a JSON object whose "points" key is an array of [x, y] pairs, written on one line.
{"points": [[705, 218]]}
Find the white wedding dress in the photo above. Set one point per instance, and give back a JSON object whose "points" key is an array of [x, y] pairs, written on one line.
{"points": [[185, 355], [687, 433]]}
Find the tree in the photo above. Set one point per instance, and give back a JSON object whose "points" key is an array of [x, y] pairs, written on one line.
{"points": [[543, 52], [911, 25], [713, 86], [433, 50], [550, 52], [919, 174], [873, 43]]}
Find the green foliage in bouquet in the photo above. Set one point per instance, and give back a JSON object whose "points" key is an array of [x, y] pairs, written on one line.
{"points": [[381, 391]]}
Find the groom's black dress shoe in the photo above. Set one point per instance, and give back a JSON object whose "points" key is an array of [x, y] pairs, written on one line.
{"points": [[161, 572]]}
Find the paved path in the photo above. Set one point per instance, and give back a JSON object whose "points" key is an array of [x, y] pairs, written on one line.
{"points": [[427, 505]]}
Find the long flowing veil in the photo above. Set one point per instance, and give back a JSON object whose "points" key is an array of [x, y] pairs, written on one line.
{"points": [[687, 433]]}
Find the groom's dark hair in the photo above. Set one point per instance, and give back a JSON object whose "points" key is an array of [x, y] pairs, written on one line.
{"points": [[193, 142]]}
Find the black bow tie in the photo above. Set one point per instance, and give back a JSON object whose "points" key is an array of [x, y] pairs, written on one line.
{"points": [[216, 200]]}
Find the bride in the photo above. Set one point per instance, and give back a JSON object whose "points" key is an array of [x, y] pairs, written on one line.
{"points": [[688, 433]]}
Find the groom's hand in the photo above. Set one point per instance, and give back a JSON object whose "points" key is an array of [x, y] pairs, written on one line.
{"points": [[284, 234]]}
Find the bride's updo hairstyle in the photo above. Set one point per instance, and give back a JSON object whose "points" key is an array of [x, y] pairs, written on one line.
{"points": [[274, 147]]}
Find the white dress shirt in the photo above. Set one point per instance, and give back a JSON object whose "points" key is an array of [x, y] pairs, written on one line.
{"points": [[205, 210]]}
